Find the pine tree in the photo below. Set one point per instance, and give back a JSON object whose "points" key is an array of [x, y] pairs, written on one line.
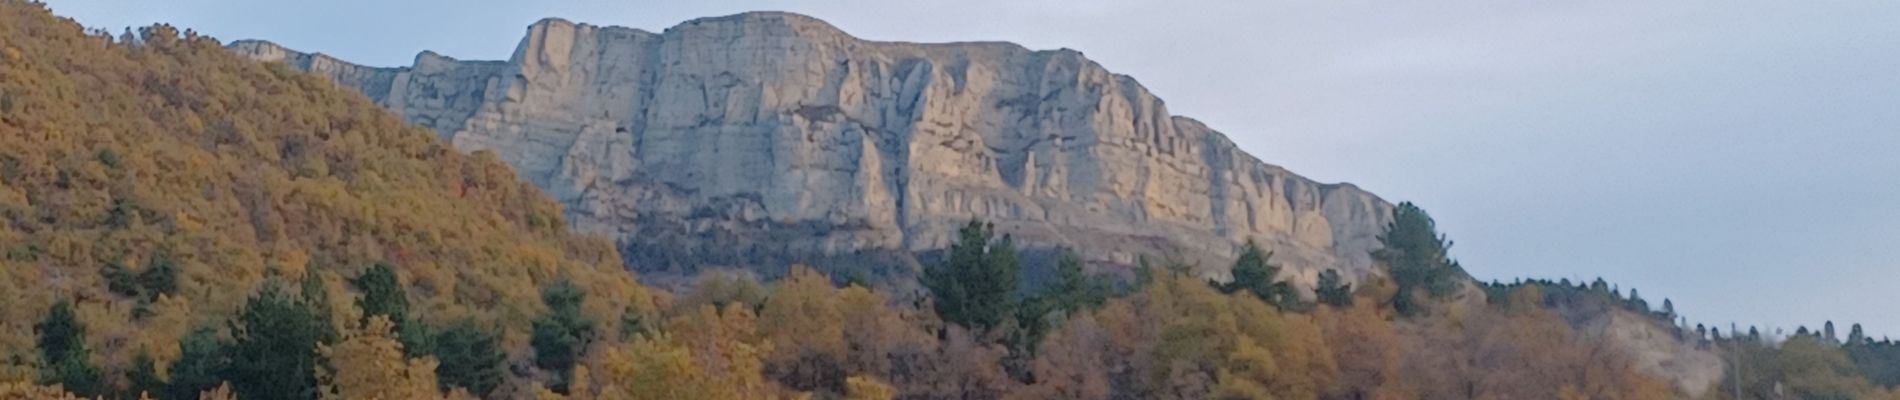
{"points": [[275, 356], [202, 361], [1333, 291], [1074, 289], [314, 296], [974, 285], [62, 342], [119, 280], [383, 295], [1669, 308], [470, 358], [561, 335], [1254, 274], [160, 277], [144, 376], [1417, 256], [1856, 336]]}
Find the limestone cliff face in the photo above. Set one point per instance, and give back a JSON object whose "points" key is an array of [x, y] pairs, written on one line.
{"points": [[775, 133]]}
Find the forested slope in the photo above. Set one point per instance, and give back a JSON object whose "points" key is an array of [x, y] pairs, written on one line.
{"points": [[166, 158], [177, 222]]}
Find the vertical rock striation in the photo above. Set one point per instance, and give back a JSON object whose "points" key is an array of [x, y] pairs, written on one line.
{"points": [[764, 135]]}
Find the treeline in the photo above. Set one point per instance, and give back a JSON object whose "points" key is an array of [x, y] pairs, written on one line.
{"points": [[177, 222], [973, 336]]}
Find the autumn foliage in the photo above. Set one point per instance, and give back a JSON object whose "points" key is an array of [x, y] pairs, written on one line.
{"points": [[177, 222]]}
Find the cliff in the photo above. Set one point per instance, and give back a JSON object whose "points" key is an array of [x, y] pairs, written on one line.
{"points": [[775, 136]]}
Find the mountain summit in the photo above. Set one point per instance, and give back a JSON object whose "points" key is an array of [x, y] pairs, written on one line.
{"points": [[702, 141]]}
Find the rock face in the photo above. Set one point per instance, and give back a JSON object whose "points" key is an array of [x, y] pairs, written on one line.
{"points": [[764, 135]]}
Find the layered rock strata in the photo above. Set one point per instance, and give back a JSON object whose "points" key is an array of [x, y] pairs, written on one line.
{"points": [[763, 135]]}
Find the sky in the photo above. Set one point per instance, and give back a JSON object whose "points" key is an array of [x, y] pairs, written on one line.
{"points": [[1740, 157]]}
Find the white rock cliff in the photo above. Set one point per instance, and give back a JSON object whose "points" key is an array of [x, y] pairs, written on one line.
{"points": [[765, 135]]}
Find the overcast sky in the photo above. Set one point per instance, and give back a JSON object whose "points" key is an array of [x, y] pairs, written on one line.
{"points": [[1741, 157]]}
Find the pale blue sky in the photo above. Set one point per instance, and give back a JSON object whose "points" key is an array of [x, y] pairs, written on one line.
{"points": [[1741, 157]]}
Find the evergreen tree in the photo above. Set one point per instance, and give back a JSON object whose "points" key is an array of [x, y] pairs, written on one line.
{"points": [[159, 277], [1417, 256], [315, 297], [1333, 291], [1669, 308], [383, 295], [62, 342], [1856, 336], [144, 377], [469, 358], [973, 286], [1827, 333], [1074, 289], [1637, 303], [119, 280], [1254, 274], [202, 361], [275, 356], [561, 335]]}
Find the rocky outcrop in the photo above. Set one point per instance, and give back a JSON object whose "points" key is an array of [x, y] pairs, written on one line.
{"points": [[763, 135]]}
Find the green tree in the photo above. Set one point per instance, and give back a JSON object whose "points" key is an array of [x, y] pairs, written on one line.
{"points": [[275, 356], [1074, 289], [561, 335], [119, 280], [1418, 257], [469, 357], [973, 286], [1333, 290], [62, 342], [159, 277], [144, 377], [202, 361], [383, 295], [315, 297], [1254, 274]]}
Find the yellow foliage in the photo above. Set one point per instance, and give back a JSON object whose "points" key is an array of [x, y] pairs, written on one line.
{"points": [[369, 364], [863, 388], [233, 170], [27, 391]]}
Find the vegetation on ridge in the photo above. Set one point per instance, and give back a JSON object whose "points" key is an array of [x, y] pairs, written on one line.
{"points": [[177, 222]]}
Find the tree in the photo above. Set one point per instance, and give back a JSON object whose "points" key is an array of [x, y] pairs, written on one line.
{"points": [[159, 277], [1669, 308], [973, 286], [1417, 256], [119, 280], [202, 360], [275, 356], [561, 335], [369, 364], [802, 321], [470, 358], [62, 342], [144, 377], [866, 388], [1252, 273], [1074, 289], [383, 295], [1332, 290]]}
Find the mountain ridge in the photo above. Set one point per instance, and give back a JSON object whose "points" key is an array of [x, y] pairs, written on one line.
{"points": [[724, 130]]}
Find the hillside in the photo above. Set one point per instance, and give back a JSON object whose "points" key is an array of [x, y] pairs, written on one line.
{"points": [[167, 152], [767, 138], [179, 221]]}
